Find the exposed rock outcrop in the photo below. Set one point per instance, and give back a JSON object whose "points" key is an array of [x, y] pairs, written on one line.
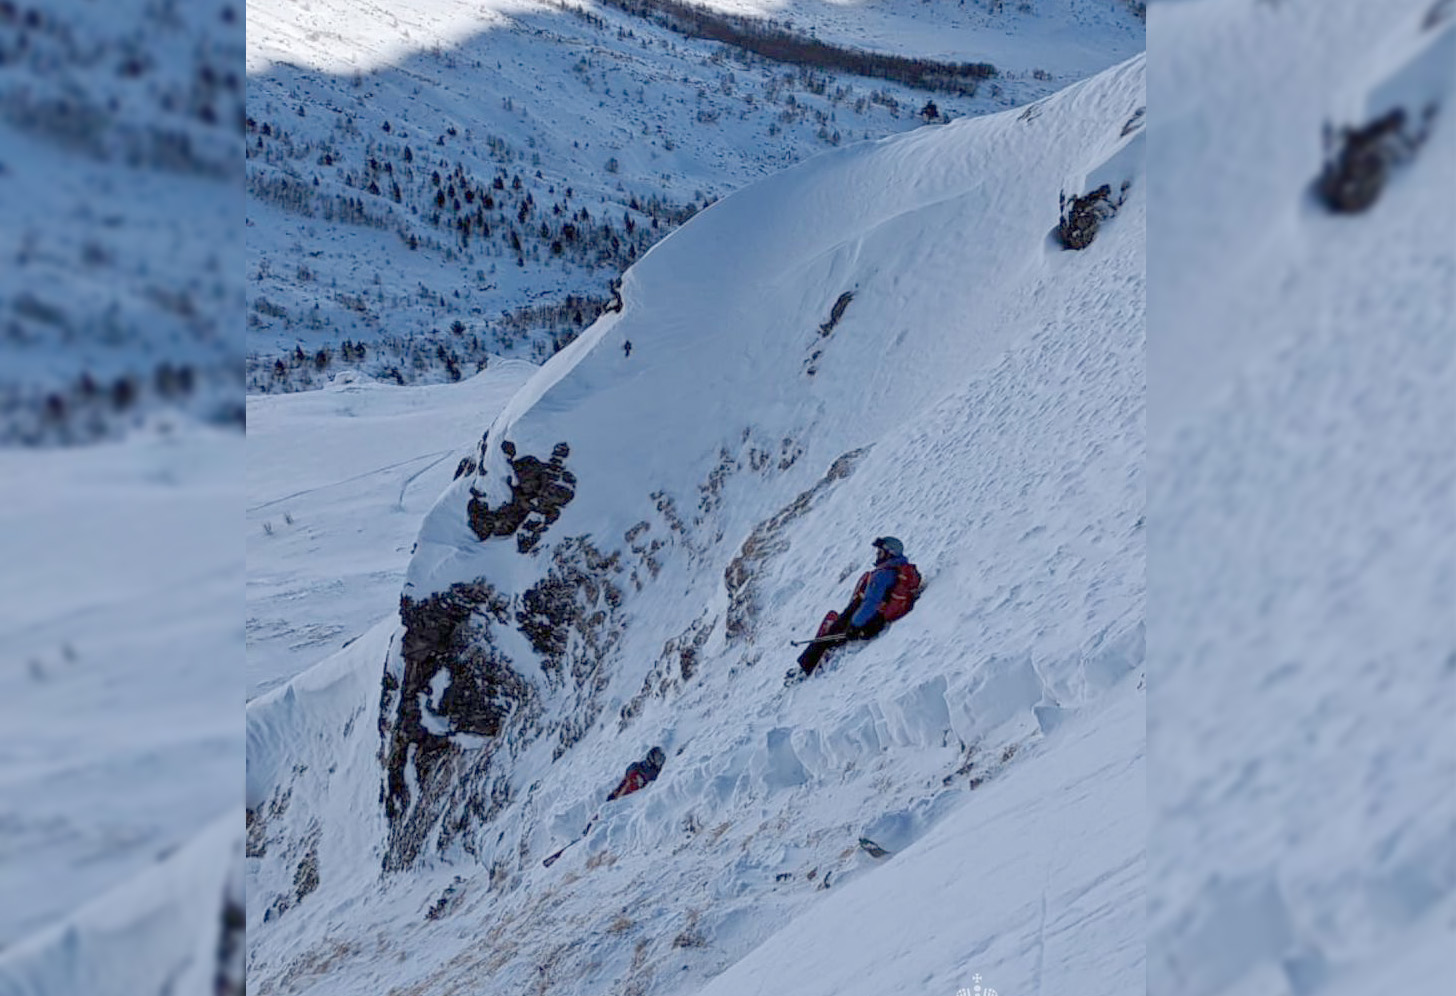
{"points": [[1084, 214], [305, 873], [455, 706], [572, 618], [460, 705], [447, 642], [539, 492], [675, 666], [564, 615], [1358, 161]]}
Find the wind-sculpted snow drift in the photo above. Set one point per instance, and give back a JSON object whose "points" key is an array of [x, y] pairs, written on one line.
{"points": [[624, 556]]}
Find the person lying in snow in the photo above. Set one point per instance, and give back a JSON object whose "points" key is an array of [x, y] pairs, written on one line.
{"points": [[884, 594], [640, 774]]}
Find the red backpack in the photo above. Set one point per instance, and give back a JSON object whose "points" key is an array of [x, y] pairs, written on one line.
{"points": [[901, 598]]}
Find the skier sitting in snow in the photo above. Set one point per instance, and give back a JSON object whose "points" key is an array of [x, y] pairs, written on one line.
{"points": [[883, 595], [640, 774]]}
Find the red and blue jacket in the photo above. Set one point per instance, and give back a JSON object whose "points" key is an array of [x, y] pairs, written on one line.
{"points": [[889, 590], [639, 775]]}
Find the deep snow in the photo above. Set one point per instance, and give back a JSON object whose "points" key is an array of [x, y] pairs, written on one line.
{"points": [[997, 892]]}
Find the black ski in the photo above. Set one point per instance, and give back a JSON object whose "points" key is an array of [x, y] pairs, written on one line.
{"points": [[831, 638]]}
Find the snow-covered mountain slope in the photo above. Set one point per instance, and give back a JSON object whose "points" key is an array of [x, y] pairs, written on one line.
{"points": [[120, 687], [1071, 36], [1301, 566], [1068, 36], [337, 484], [1029, 910], [119, 169], [885, 339], [480, 192]]}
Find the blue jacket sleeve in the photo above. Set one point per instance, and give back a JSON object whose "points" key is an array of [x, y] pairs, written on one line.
{"points": [[879, 586]]}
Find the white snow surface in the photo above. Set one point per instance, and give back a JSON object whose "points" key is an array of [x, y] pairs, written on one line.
{"points": [[341, 36], [1019, 905], [995, 386], [1302, 509], [337, 483], [1075, 36]]}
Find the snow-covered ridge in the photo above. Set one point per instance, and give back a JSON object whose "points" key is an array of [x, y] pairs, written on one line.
{"points": [[979, 393], [730, 344], [602, 132]]}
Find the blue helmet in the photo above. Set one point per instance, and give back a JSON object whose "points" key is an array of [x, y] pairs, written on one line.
{"points": [[890, 545]]}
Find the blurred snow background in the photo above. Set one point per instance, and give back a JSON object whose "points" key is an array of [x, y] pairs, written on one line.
{"points": [[1302, 498], [121, 448]]}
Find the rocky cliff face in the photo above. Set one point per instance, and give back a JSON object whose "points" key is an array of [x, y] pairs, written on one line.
{"points": [[458, 698], [482, 674], [455, 684]]}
